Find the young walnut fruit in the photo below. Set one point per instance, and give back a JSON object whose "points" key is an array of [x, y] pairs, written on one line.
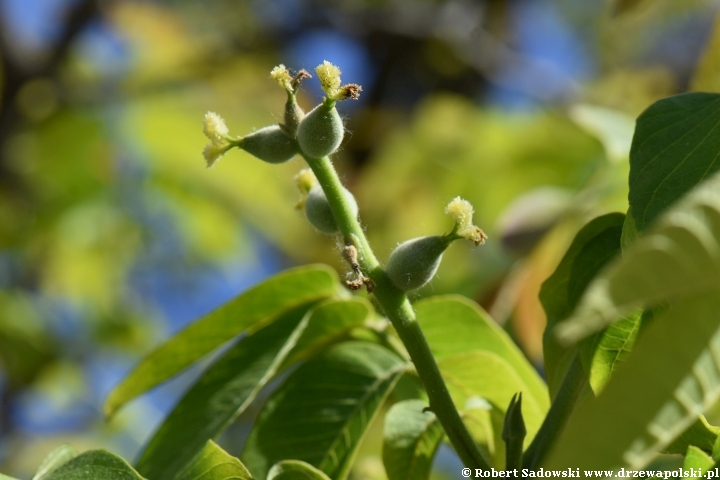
{"points": [[321, 131], [414, 262], [319, 213], [269, 144]]}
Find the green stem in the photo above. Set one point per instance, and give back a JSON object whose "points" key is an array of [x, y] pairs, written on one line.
{"points": [[397, 308], [347, 222], [554, 423]]}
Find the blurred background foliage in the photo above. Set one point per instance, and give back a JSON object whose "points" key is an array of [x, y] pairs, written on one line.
{"points": [[113, 234]]}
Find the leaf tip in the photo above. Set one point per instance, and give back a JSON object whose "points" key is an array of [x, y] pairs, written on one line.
{"points": [[112, 405]]}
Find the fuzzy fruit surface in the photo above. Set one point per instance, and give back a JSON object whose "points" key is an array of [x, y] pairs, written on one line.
{"points": [[321, 131], [293, 116], [414, 263], [269, 144], [319, 213]]}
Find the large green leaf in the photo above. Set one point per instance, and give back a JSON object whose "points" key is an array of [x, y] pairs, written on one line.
{"points": [[5, 477], [676, 145], [295, 470], [411, 438], [230, 385], [700, 434], [676, 259], [321, 412], [248, 312], [613, 128], [223, 392], [697, 459], [213, 463], [485, 422], [672, 374], [94, 465], [487, 375], [602, 353], [559, 295], [453, 324], [55, 460], [327, 323]]}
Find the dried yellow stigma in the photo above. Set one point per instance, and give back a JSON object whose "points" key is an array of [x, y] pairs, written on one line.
{"points": [[305, 181], [282, 76], [462, 212], [329, 76], [214, 126], [213, 152], [215, 129]]}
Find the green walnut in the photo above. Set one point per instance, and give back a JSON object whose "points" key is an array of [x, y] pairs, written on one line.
{"points": [[269, 144], [321, 131], [319, 213], [414, 263], [293, 115]]}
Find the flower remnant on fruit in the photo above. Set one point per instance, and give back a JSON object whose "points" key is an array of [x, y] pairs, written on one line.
{"points": [[357, 279], [282, 76], [330, 82], [291, 84], [462, 212], [214, 126], [329, 76], [305, 181], [215, 129]]}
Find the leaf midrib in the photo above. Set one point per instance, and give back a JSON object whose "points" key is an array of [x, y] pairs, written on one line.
{"points": [[361, 401], [415, 458]]}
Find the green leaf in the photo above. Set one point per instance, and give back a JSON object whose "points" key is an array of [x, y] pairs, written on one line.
{"points": [[321, 412], [94, 465], [629, 232], [706, 77], [295, 470], [5, 477], [489, 376], [248, 312], [228, 387], [672, 374], [559, 294], [613, 128], [605, 351], [700, 434], [453, 324], [676, 145], [327, 323], [602, 354], [676, 259], [411, 438], [54, 460], [485, 422], [221, 393], [214, 463], [696, 458]]}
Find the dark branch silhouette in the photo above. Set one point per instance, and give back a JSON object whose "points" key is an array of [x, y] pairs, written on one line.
{"points": [[15, 74]]}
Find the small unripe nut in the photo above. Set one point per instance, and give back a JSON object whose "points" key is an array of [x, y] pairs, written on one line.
{"points": [[269, 144], [319, 213], [414, 262], [293, 115], [321, 131]]}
